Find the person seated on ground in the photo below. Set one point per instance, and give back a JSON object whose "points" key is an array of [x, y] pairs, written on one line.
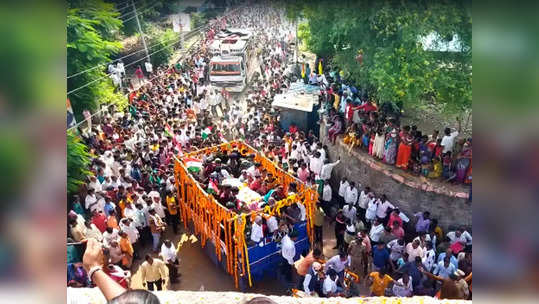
{"points": [[330, 286]]}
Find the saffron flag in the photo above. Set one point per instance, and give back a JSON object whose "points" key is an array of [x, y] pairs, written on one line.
{"points": [[193, 164], [320, 67], [303, 70]]}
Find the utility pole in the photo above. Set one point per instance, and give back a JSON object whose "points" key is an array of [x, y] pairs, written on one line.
{"points": [[140, 31]]}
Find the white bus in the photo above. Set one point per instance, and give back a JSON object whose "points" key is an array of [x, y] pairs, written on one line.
{"points": [[228, 72], [229, 68]]}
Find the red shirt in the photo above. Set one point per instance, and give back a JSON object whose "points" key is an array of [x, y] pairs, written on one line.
{"points": [[293, 129], [100, 221], [399, 232], [368, 107], [255, 185], [394, 218]]}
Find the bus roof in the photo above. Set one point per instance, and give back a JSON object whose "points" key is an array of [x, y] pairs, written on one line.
{"points": [[226, 59]]}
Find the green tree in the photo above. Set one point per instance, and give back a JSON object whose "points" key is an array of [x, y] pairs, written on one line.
{"points": [[164, 43], [394, 63], [91, 31], [78, 160]]}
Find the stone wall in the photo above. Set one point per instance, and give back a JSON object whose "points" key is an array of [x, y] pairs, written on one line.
{"points": [[447, 203]]}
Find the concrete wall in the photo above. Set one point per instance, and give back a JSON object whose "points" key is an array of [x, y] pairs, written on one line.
{"points": [[447, 203]]}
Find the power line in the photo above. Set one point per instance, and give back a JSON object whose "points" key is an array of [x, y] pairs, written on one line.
{"points": [[122, 8], [156, 76], [128, 55], [141, 12], [181, 58], [199, 29], [102, 77]]}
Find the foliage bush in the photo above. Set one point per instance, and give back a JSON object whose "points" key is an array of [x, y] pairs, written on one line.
{"points": [[394, 63]]}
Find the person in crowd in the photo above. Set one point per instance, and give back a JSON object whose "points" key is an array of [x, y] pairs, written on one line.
{"points": [[303, 265], [153, 273], [378, 282], [313, 281], [169, 254], [357, 250], [318, 223], [340, 228], [343, 185], [127, 250], [338, 263], [156, 227], [330, 286], [403, 286], [380, 257], [444, 268], [288, 253]]}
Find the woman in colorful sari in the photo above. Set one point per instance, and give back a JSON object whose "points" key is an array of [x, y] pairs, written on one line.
{"points": [[390, 149], [464, 161], [405, 148]]}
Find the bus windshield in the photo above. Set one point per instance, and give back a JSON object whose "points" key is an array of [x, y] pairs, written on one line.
{"points": [[225, 68]]}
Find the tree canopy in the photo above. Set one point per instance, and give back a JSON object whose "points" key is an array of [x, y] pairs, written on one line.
{"points": [[92, 28], [78, 160], [395, 65]]}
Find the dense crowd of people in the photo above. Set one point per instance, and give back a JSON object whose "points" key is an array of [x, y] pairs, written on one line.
{"points": [[379, 133], [130, 197]]}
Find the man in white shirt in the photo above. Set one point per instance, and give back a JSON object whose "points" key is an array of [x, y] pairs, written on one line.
{"points": [[170, 257], [460, 235], [429, 258], [327, 168], [363, 202], [256, 231], [396, 249], [272, 224], [312, 281], [90, 202], [381, 211], [94, 184], [351, 194], [315, 164], [127, 226], [342, 190], [109, 236], [403, 287], [327, 195], [288, 252], [349, 211], [377, 230], [414, 250], [448, 141], [338, 263]]}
